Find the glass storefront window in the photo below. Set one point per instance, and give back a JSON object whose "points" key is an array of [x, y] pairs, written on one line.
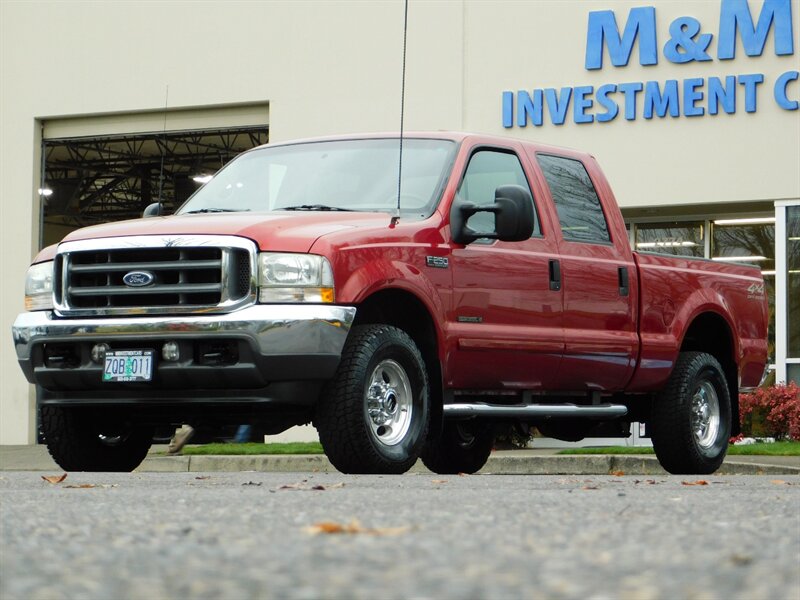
{"points": [[793, 281], [740, 241], [680, 239]]}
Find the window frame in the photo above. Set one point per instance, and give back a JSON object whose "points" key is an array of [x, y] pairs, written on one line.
{"points": [[546, 184], [538, 224]]}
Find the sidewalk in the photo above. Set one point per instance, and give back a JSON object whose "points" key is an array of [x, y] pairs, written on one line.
{"points": [[501, 462]]}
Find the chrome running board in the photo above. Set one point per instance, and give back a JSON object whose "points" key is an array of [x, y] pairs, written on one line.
{"points": [[533, 411]]}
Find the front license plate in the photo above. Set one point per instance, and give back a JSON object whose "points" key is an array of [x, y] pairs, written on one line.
{"points": [[128, 365]]}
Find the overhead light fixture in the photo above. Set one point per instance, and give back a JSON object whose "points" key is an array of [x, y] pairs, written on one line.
{"points": [[747, 221], [794, 239], [740, 258], [45, 192], [768, 272], [202, 178]]}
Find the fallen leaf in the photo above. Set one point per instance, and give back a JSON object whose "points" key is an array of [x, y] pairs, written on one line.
{"points": [[590, 487], [698, 482], [54, 478], [318, 488], [778, 482], [290, 486], [354, 527], [253, 483], [617, 473], [203, 477], [336, 486], [463, 475], [439, 481]]}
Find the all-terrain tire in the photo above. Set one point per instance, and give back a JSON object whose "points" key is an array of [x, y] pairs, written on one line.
{"points": [[82, 440], [691, 417], [373, 416], [463, 447]]}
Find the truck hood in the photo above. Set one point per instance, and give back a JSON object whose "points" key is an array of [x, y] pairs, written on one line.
{"points": [[277, 231]]}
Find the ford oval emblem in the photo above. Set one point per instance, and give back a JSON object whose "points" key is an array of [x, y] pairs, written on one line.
{"points": [[138, 278]]}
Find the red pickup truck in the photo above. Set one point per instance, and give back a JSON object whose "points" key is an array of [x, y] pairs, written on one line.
{"points": [[408, 308]]}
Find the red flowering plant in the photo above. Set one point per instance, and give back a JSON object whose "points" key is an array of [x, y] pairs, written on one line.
{"points": [[772, 411]]}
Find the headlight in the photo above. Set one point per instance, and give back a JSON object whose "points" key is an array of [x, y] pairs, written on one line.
{"points": [[294, 278], [39, 287]]}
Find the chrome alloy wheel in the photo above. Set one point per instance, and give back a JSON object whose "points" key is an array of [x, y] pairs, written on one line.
{"points": [[705, 414], [389, 403]]}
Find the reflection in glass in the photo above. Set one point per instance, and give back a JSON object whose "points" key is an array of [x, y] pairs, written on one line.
{"points": [[679, 239], [750, 243], [579, 209], [793, 280]]}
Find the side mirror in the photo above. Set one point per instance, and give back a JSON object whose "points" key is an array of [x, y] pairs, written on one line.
{"points": [[513, 217], [156, 209]]}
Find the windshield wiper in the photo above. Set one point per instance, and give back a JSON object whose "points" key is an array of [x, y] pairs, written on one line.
{"points": [[314, 207], [215, 210]]}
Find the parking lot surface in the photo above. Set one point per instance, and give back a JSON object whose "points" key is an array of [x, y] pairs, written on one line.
{"points": [[315, 535]]}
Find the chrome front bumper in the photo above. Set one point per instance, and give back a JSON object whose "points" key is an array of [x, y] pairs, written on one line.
{"points": [[285, 341]]}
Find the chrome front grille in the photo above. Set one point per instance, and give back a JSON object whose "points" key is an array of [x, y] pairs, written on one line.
{"points": [[145, 275]]}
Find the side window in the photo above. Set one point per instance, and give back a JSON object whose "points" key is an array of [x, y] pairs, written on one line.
{"points": [[579, 209], [488, 170]]}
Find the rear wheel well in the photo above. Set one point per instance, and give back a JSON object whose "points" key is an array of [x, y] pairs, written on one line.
{"points": [[407, 312], [710, 333]]}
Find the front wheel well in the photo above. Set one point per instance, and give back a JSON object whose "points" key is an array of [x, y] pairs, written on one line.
{"points": [[710, 333], [406, 311]]}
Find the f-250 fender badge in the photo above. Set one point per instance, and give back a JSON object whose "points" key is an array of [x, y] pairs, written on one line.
{"points": [[437, 262], [756, 290]]}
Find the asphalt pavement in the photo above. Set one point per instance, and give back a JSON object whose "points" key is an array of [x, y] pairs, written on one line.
{"points": [[320, 535]]}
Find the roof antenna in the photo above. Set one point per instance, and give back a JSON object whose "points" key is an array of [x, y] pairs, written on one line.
{"points": [[163, 148], [396, 216]]}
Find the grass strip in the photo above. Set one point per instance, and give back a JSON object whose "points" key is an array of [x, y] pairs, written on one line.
{"points": [[759, 449], [255, 448]]}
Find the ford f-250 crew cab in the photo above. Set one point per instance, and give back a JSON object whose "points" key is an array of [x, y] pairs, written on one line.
{"points": [[292, 289]]}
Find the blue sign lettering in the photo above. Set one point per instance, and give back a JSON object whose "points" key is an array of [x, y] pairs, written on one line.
{"points": [[630, 90], [603, 100], [655, 100], [558, 106], [719, 94], [582, 104], [690, 97], [735, 16], [780, 91], [683, 32], [750, 94], [603, 30]]}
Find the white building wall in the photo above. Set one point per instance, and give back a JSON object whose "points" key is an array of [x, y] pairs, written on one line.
{"points": [[334, 67]]}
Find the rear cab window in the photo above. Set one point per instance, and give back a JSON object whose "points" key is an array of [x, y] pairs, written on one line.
{"points": [[580, 212]]}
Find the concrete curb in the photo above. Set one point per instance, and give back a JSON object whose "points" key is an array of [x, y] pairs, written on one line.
{"points": [[596, 464], [502, 462]]}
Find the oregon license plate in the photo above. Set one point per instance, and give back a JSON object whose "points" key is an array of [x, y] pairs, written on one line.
{"points": [[128, 365]]}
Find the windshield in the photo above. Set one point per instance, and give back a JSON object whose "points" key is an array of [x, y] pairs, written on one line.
{"points": [[359, 175]]}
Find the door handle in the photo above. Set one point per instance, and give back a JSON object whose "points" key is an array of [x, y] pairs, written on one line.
{"points": [[624, 286], [555, 275]]}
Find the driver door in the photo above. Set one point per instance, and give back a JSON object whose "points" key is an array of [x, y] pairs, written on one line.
{"points": [[505, 323]]}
